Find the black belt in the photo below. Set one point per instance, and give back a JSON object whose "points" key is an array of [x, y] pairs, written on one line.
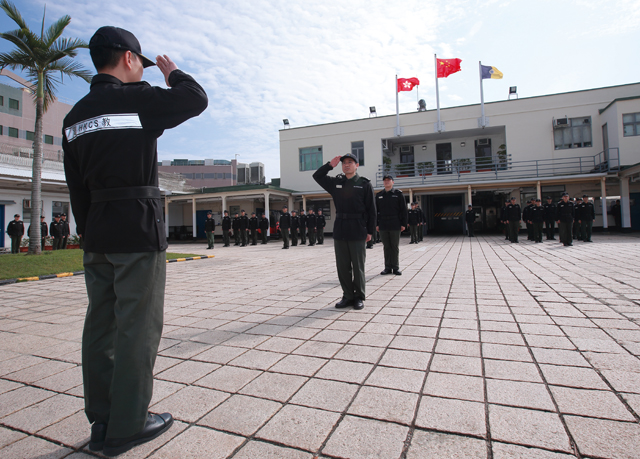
{"points": [[131, 192], [347, 216]]}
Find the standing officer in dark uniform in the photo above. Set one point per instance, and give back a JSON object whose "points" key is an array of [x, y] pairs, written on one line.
{"points": [[15, 230], [253, 227], [285, 224], [226, 228], [527, 220], [550, 218], [303, 227], [244, 227], [421, 224], [209, 228], [264, 228], [537, 218], [616, 211], [504, 220], [65, 230], [110, 160], [235, 224], [311, 227], [55, 230], [586, 219], [321, 222], [413, 221], [392, 220], [565, 213], [354, 225], [470, 218], [43, 231], [295, 226], [577, 230], [513, 217]]}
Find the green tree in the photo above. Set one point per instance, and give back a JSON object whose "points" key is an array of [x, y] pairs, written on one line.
{"points": [[45, 60]]}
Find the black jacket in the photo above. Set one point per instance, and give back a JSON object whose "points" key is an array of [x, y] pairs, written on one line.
{"points": [[549, 211], [295, 222], [392, 210], [15, 228], [513, 212], [321, 222], [109, 141], [235, 223], [243, 222], [565, 211], [312, 221], [285, 220], [226, 223], [264, 224], [253, 223], [209, 225], [55, 229], [536, 214], [470, 216], [354, 201]]}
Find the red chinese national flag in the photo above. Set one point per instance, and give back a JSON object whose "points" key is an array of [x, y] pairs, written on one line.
{"points": [[407, 84], [448, 66]]}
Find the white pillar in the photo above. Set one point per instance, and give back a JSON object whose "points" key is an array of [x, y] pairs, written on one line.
{"points": [[290, 203], [410, 195], [603, 200], [538, 190], [304, 202], [266, 206], [193, 215], [224, 203], [625, 203], [166, 215], [469, 195]]}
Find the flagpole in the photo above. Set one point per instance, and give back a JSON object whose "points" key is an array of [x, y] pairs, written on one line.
{"points": [[397, 110], [435, 61], [481, 95]]}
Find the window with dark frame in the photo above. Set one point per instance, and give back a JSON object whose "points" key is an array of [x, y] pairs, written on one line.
{"points": [[631, 124], [310, 158], [48, 139], [357, 149], [31, 135], [14, 132], [575, 134], [14, 104]]}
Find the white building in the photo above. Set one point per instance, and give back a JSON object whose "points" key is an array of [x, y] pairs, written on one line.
{"points": [[582, 142]]}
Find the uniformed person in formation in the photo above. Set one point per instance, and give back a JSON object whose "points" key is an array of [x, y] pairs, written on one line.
{"points": [[253, 227], [550, 218], [226, 228], [311, 227], [392, 220], [295, 226], [577, 230], [565, 212], [321, 222], [285, 224], [470, 218], [15, 230], [110, 159], [235, 224], [413, 221], [55, 231], [244, 228], [65, 230], [527, 219], [514, 214], [504, 219], [586, 215], [264, 228], [537, 219], [354, 225], [43, 231], [209, 228], [303, 227], [616, 211], [422, 224]]}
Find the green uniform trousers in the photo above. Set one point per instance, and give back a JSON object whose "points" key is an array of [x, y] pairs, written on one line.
{"points": [[586, 229], [391, 249], [210, 239], [564, 230], [285, 236], [16, 241], [413, 229], [254, 236], [312, 236], [350, 259], [537, 231], [121, 335], [514, 229], [263, 234], [320, 235], [226, 238]]}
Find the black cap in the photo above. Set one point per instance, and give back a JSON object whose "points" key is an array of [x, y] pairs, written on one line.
{"points": [[241, 210], [284, 207], [565, 194], [512, 198], [16, 215], [209, 213], [117, 38], [387, 176], [226, 211], [470, 205], [63, 214], [548, 197], [349, 155], [585, 195], [293, 211], [538, 200], [56, 216], [253, 213]]}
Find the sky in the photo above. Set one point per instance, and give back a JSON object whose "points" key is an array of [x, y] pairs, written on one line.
{"points": [[330, 60]]}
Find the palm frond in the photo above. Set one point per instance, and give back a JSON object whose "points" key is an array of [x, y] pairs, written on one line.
{"points": [[69, 46], [55, 30], [21, 40], [13, 13], [15, 60]]}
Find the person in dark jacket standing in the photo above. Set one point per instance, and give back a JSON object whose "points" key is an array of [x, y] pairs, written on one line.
{"points": [[321, 222], [264, 228], [576, 228], [565, 213], [616, 211], [536, 214], [514, 215], [110, 160], [15, 230], [209, 228], [550, 218], [392, 220], [503, 219], [527, 220], [295, 226], [422, 224], [243, 222], [65, 230], [43, 231], [253, 228], [303, 227], [586, 219], [55, 231], [226, 229], [470, 218], [235, 223], [285, 224], [311, 227], [413, 222], [354, 225]]}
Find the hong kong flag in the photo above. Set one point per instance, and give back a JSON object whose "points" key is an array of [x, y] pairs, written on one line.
{"points": [[448, 66], [407, 84]]}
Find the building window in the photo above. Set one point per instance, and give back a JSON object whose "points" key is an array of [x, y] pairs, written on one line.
{"points": [[14, 104], [208, 175], [1, 130], [576, 133], [48, 139], [310, 158], [13, 132], [31, 135], [1, 100], [357, 149], [631, 124]]}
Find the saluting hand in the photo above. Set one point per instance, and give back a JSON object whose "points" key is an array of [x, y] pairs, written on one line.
{"points": [[335, 161], [166, 66]]}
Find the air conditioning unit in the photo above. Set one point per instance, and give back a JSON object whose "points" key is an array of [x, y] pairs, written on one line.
{"points": [[406, 149], [586, 121], [484, 141], [561, 123]]}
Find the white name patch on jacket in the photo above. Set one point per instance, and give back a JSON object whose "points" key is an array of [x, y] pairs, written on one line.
{"points": [[101, 123]]}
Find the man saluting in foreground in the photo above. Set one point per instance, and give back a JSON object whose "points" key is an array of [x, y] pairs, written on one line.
{"points": [[110, 160], [354, 225]]}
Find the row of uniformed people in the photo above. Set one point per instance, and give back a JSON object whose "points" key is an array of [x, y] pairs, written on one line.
{"points": [[243, 227], [58, 229], [294, 227]]}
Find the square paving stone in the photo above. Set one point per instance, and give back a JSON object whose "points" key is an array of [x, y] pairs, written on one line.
{"points": [[505, 451], [604, 438], [220, 354], [199, 442], [260, 360], [63, 381], [325, 394], [371, 339], [509, 370], [318, 349], [591, 403], [457, 364], [33, 447], [162, 389], [39, 371], [528, 427], [274, 386], [366, 354], [559, 357], [411, 360], [22, 397], [279, 344], [187, 372], [503, 338], [300, 427], [412, 343], [396, 378], [241, 414], [257, 449], [623, 381], [585, 378], [453, 347], [505, 352], [44, 413], [228, 378], [458, 416], [385, 404], [73, 431], [358, 438], [434, 445], [8, 436], [298, 365], [518, 393], [190, 404], [342, 370], [454, 386]]}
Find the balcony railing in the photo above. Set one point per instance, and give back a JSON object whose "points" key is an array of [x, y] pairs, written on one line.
{"points": [[497, 167]]}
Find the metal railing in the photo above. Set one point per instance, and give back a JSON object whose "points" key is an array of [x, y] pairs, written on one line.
{"points": [[497, 167], [49, 154]]}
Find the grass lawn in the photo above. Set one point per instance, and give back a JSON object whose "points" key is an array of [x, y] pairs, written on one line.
{"points": [[61, 261]]}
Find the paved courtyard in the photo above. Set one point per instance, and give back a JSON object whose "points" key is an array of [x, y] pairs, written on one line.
{"points": [[481, 349]]}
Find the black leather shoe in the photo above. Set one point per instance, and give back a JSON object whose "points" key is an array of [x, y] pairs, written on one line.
{"points": [[98, 434], [386, 271], [358, 304], [397, 272], [343, 303], [156, 425]]}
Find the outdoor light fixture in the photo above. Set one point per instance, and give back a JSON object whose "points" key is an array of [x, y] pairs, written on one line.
{"points": [[372, 112], [422, 105], [424, 147], [286, 123], [513, 90], [462, 144]]}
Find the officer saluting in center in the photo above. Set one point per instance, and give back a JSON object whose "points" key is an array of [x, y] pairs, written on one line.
{"points": [[354, 225]]}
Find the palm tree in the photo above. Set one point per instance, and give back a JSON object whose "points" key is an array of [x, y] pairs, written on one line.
{"points": [[41, 58]]}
